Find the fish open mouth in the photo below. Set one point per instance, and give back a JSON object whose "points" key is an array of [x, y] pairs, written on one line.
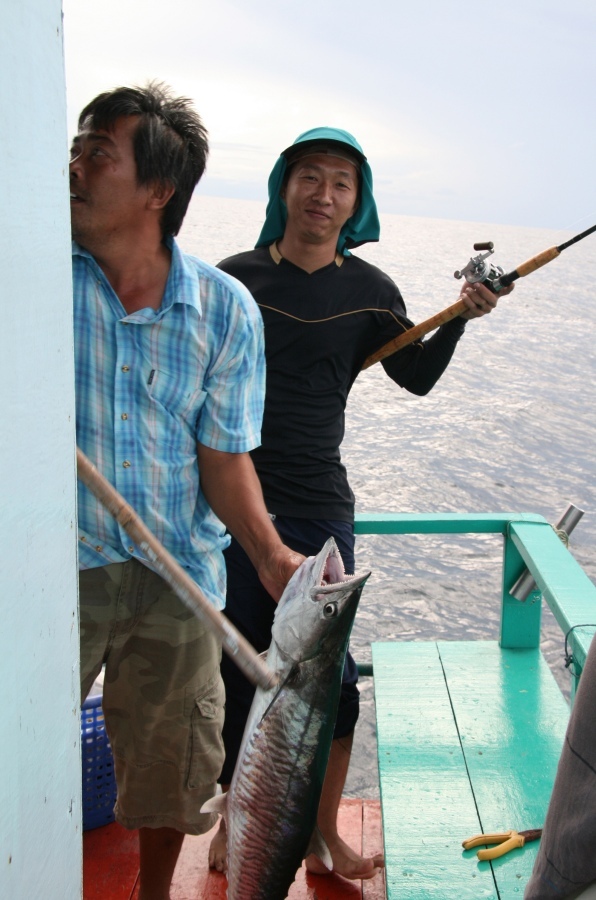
{"points": [[333, 571], [332, 575]]}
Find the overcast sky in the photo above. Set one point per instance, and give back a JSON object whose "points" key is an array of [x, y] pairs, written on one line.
{"points": [[466, 109]]}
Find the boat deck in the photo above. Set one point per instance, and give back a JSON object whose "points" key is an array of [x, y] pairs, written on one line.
{"points": [[469, 735], [111, 863]]}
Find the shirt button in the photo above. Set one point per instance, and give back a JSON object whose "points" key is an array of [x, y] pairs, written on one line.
{"points": [[124, 416], [99, 548], [131, 549], [126, 368], [126, 464]]}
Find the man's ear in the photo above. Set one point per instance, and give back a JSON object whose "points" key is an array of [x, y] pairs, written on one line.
{"points": [[160, 194]]}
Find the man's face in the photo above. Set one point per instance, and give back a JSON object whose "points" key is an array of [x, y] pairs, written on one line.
{"points": [[321, 195], [105, 200]]}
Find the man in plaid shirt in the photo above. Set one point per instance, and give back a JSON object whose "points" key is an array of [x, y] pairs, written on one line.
{"points": [[169, 385]]}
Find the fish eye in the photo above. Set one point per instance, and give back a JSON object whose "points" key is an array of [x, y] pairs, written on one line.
{"points": [[330, 610]]}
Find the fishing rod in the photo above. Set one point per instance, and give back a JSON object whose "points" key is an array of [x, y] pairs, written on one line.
{"points": [[477, 270]]}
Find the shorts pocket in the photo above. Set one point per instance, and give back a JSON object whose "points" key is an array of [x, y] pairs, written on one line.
{"points": [[207, 750]]}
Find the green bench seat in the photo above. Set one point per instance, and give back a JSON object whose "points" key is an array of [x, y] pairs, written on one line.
{"points": [[469, 737], [469, 733]]}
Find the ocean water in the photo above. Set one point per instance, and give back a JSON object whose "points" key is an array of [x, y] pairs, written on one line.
{"points": [[510, 427]]}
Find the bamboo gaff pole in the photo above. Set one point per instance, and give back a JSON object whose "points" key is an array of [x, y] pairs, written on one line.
{"points": [[235, 644], [418, 331]]}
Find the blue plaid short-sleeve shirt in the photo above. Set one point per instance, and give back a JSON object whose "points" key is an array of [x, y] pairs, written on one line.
{"points": [[149, 386]]}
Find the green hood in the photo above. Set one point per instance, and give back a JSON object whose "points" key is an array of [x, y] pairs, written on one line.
{"points": [[363, 226]]}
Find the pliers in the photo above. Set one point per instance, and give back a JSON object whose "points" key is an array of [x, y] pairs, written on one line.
{"points": [[506, 840]]}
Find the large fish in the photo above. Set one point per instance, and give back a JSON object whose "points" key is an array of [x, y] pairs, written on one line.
{"points": [[271, 807]]}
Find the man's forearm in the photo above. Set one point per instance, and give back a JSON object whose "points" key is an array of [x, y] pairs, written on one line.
{"points": [[233, 491]]}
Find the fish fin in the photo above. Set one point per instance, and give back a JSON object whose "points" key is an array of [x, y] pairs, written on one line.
{"points": [[216, 804], [318, 846]]}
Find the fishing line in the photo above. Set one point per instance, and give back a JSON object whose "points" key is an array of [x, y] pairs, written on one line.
{"points": [[572, 225]]}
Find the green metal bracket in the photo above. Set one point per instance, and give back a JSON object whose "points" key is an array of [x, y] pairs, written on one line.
{"points": [[520, 622]]}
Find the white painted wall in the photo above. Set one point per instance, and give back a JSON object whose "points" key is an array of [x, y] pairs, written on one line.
{"points": [[40, 829]]}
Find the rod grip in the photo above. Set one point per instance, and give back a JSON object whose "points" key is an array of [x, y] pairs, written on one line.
{"points": [[415, 333], [537, 261]]}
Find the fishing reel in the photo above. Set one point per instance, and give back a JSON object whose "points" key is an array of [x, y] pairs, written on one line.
{"points": [[479, 270]]}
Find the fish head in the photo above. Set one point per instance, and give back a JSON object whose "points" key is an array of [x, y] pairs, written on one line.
{"points": [[318, 607]]}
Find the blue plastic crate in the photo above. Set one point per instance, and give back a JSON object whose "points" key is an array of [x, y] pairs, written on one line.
{"points": [[99, 783]]}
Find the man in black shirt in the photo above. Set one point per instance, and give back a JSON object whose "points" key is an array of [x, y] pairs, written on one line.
{"points": [[325, 311]]}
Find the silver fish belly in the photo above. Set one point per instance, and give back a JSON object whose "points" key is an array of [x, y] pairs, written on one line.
{"points": [[271, 807]]}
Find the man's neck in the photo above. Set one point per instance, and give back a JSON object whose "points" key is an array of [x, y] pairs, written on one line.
{"points": [[137, 273], [306, 255]]}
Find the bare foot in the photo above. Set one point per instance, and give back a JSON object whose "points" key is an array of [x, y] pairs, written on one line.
{"points": [[218, 849], [346, 862]]}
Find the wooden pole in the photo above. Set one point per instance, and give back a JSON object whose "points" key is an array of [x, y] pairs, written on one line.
{"points": [[235, 645]]}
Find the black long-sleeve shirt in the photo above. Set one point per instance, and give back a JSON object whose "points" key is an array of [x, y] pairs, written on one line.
{"points": [[319, 330]]}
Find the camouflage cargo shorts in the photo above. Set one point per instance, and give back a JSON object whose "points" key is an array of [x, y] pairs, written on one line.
{"points": [[163, 697]]}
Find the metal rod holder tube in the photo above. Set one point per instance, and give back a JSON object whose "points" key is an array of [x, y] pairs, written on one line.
{"points": [[525, 584]]}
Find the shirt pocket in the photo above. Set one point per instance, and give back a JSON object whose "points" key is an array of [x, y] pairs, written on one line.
{"points": [[207, 751], [175, 397]]}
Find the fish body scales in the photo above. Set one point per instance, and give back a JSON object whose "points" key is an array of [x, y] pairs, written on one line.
{"points": [[282, 765]]}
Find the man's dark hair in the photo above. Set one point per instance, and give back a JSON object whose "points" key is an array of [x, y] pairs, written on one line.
{"points": [[170, 142]]}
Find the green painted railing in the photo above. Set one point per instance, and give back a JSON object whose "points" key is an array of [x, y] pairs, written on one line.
{"points": [[529, 542]]}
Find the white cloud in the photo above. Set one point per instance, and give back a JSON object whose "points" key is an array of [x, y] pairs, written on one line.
{"points": [[466, 110]]}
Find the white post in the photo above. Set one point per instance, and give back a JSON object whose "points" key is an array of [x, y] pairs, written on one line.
{"points": [[40, 812]]}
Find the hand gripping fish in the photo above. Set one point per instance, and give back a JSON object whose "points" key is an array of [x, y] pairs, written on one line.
{"points": [[271, 807]]}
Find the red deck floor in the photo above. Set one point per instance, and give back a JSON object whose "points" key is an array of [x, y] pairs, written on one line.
{"points": [[111, 867]]}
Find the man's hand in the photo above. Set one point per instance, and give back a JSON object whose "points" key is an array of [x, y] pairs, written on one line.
{"points": [[276, 571], [480, 300]]}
